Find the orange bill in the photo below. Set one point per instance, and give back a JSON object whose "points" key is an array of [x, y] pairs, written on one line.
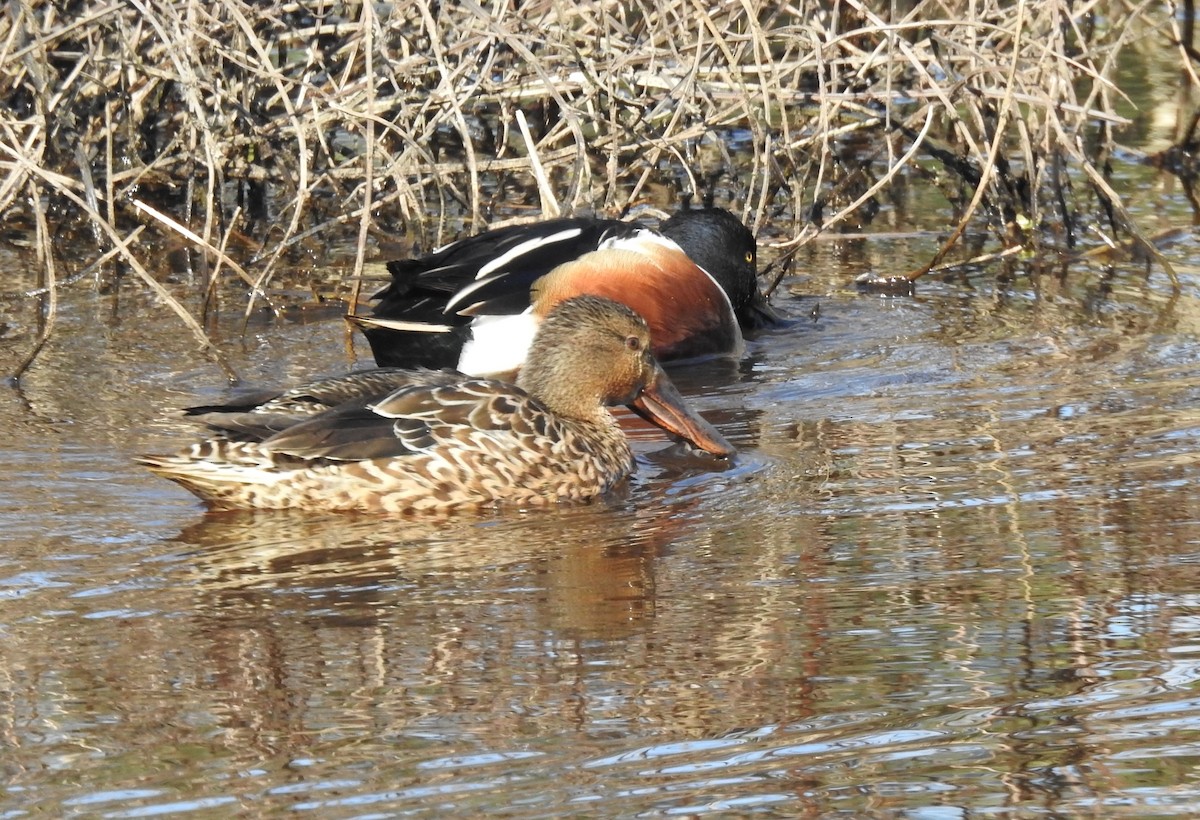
{"points": [[660, 404]]}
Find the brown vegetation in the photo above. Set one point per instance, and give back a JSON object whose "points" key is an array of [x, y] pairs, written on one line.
{"points": [[253, 133]]}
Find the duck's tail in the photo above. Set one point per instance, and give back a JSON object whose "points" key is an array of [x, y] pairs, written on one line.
{"points": [[224, 473]]}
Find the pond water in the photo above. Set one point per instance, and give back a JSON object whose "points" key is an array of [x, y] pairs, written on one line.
{"points": [[954, 572]]}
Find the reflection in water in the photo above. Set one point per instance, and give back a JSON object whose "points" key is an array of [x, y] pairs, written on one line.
{"points": [[596, 583]]}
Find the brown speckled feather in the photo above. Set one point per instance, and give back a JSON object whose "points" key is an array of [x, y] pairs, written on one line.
{"points": [[440, 441], [436, 448], [257, 416]]}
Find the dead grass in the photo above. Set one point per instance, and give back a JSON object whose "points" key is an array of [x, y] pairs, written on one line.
{"points": [[249, 133]]}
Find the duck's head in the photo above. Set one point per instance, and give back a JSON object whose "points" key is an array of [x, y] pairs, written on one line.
{"points": [[590, 353], [717, 241]]}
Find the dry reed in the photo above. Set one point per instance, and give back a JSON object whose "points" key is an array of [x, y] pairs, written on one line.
{"points": [[251, 132]]}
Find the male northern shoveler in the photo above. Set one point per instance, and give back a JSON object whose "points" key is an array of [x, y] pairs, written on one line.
{"points": [[440, 440], [475, 303]]}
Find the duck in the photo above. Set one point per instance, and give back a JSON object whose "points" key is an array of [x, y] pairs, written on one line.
{"points": [[475, 304], [426, 441]]}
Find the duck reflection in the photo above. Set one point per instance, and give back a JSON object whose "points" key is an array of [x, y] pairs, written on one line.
{"points": [[589, 571]]}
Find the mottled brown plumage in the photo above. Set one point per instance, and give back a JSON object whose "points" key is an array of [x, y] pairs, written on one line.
{"points": [[440, 440]]}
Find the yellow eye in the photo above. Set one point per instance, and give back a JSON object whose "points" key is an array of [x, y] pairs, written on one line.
{"points": [[749, 257]]}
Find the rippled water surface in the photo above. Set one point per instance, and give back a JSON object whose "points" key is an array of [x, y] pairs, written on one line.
{"points": [[955, 572]]}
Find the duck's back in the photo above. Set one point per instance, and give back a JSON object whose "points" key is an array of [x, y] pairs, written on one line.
{"points": [[422, 448]]}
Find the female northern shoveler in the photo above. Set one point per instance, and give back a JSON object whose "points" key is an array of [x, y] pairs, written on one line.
{"points": [[475, 303], [441, 440]]}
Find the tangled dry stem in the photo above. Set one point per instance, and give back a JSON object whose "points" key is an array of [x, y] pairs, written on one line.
{"points": [[250, 131]]}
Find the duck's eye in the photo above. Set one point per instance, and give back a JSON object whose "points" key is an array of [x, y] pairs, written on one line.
{"points": [[749, 257], [633, 343]]}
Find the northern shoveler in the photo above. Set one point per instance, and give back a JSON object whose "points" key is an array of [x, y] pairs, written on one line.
{"points": [[411, 441], [475, 303]]}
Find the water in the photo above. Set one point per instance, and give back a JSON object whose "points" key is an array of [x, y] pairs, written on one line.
{"points": [[954, 573]]}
